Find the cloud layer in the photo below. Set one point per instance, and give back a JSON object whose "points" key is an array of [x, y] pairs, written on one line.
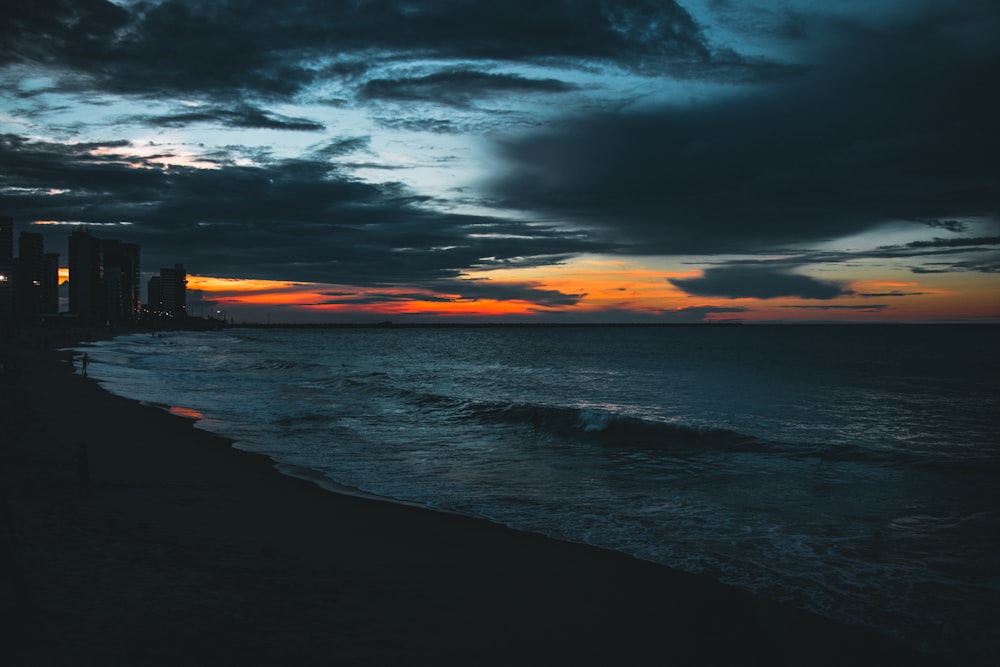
{"points": [[250, 45], [742, 282], [415, 144], [891, 124]]}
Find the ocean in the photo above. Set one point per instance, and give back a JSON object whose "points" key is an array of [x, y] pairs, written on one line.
{"points": [[850, 470]]}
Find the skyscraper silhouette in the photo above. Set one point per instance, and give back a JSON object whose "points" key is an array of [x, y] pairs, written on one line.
{"points": [[29, 269], [173, 290], [85, 273], [154, 297], [6, 269], [122, 280]]}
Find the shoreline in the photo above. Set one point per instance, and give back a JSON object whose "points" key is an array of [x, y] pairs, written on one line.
{"points": [[170, 545]]}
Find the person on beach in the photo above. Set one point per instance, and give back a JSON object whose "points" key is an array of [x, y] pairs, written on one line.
{"points": [[84, 364]]}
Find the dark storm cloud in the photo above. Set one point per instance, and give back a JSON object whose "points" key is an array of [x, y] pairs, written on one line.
{"points": [[341, 147], [54, 30], [243, 116], [436, 125], [774, 278], [464, 291], [41, 168], [741, 282], [756, 19], [937, 247], [898, 123], [245, 46], [988, 264], [949, 225], [978, 254], [288, 219], [698, 313], [458, 88], [882, 295], [370, 299], [476, 290], [964, 254], [956, 243]]}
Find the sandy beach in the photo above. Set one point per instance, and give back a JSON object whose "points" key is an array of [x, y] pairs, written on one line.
{"points": [[132, 537]]}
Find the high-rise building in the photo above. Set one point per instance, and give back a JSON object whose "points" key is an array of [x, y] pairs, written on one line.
{"points": [[50, 284], [173, 290], [85, 273], [6, 270], [122, 280], [30, 245], [154, 297], [29, 269]]}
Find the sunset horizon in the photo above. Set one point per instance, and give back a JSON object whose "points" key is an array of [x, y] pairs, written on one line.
{"points": [[675, 161]]}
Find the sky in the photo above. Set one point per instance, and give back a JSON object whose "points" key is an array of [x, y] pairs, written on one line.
{"points": [[542, 160]]}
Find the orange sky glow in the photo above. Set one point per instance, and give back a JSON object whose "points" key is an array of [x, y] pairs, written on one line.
{"points": [[600, 286]]}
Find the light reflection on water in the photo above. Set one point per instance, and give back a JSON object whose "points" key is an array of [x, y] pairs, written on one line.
{"points": [[189, 413]]}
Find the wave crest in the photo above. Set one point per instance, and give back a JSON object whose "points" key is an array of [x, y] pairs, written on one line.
{"points": [[610, 428]]}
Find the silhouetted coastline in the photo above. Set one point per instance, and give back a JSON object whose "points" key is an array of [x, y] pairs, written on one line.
{"points": [[65, 331]]}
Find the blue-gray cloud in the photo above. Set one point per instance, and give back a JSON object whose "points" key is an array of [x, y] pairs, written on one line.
{"points": [[693, 314], [463, 290], [290, 219], [749, 282], [226, 50], [459, 88], [882, 295], [897, 123], [244, 116], [959, 242]]}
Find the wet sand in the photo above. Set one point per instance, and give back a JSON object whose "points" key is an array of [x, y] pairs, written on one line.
{"points": [[165, 545]]}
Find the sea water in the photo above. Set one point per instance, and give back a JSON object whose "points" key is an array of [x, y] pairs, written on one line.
{"points": [[850, 470]]}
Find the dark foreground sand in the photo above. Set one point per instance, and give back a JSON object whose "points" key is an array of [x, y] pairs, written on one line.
{"points": [[170, 547]]}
